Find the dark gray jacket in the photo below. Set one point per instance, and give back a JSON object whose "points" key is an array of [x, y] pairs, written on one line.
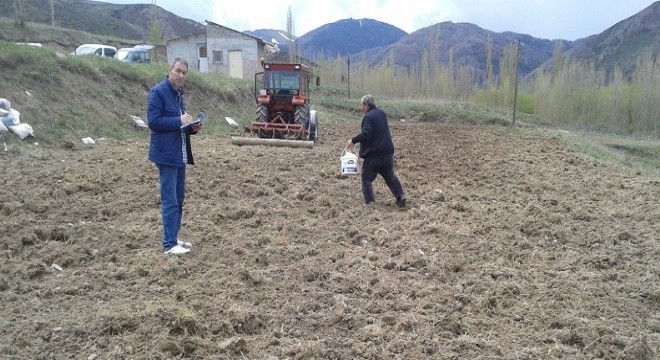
{"points": [[375, 139]]}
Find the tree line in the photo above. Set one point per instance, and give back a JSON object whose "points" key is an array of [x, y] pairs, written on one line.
{"points": [[568, 93]]}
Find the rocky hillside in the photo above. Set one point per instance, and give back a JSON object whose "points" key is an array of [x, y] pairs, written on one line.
{"points": [[623, 43]]}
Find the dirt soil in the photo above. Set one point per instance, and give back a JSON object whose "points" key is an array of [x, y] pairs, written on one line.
{"points": [[512, 246]]}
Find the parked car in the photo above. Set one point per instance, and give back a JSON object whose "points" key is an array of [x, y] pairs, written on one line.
{"points": [[96, 49], [134, 55]]}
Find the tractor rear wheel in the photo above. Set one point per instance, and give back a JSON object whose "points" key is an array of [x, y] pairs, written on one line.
{"points": [[262, 113], [262, 117], [302, 115]]}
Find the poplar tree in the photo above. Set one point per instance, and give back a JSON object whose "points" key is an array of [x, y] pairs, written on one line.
{"points": [[19, 9], [290, 29], [489, 63], [156, 31]]}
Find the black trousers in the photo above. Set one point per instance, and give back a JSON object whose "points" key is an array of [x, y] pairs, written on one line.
{"points": [[383, 165]]}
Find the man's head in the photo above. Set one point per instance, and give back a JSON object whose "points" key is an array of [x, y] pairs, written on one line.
{"points": [[367, 102], [178, 73]]}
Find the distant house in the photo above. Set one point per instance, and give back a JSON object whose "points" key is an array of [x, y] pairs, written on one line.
{"points": [[221, 50]]}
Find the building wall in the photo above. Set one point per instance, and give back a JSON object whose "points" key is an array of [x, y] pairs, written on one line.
{"points": [[223, 40], [185, 48]]}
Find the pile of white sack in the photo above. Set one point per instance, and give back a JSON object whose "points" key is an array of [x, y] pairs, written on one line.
{"points": [[10, 120]]}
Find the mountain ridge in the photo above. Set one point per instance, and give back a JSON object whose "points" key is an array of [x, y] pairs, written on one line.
{"points": [[373, 41]]}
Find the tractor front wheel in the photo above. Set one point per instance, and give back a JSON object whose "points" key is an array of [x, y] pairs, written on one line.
{"points": [[313, 126]]}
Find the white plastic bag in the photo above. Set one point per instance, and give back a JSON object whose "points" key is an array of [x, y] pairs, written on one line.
{"points": [[13, 118], [22, 130]]}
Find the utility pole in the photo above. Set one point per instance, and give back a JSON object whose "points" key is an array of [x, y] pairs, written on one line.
{"points": [[515, 91], [348, 63]]}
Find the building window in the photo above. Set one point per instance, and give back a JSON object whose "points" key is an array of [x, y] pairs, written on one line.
{"points": [[217, 57]]}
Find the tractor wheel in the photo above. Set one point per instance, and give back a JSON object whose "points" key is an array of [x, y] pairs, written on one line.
{"points": [[262, 117], [262, 113], [313, 126], [302, 115]]}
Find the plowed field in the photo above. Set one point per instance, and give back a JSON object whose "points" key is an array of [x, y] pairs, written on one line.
{"points": [[512, 246]]}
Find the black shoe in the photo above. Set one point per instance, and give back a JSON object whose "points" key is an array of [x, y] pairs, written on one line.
{"points": [[401, 202]]}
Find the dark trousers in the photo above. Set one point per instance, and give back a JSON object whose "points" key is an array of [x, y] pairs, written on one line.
{"points": [[383, 165]]}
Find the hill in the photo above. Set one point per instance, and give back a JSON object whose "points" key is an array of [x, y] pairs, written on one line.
{"points": [[348, 36], [468, 45], [622, 44], [130, 21], [280, 37], [378, 43]]}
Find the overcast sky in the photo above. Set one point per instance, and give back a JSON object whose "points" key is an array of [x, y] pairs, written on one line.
{"points": [[547, 19]]}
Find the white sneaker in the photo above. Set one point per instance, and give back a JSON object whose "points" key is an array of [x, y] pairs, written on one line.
{"points": [[183, 243], [177, 250]]}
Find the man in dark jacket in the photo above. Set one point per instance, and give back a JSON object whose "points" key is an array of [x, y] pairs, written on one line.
{"points": [[170, 150], [377, 150]]}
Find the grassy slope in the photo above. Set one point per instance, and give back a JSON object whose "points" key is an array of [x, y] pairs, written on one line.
{"points": [[65, 98]]}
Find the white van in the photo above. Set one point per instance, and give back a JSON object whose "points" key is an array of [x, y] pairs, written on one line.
{"points": [[95, 49], [134, 55]]}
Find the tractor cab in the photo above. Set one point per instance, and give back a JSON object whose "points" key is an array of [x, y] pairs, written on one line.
{"points": [[282, 96], [278, 80]]}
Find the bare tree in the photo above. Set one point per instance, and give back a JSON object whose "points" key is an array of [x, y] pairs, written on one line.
{"points": [[489, 64], [290, 29], [557, 59], [19, 8], [155, 31]]}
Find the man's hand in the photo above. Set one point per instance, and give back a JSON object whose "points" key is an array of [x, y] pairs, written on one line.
{"points": [[197, 127], [186, 118], [349, 144]]}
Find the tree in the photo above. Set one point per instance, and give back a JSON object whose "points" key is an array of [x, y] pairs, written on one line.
{"points": [[19, 8], [156, 30], [557, 59], [291, 32], [489, 64]]}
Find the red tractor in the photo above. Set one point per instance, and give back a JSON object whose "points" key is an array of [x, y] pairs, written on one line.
{"points": [[282, 95]]}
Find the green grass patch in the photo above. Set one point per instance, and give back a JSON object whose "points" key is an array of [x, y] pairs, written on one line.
{"points": [[636, 154]]}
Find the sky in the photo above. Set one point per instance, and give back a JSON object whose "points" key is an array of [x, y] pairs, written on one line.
{"points": [[546, 19]]}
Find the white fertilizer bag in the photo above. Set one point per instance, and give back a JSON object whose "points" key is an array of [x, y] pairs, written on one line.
{"points": [[12, 118], [22, 130]]}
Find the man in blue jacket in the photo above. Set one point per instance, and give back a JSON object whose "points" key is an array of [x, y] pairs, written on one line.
{"points": [[377, 150], [170, 150]]}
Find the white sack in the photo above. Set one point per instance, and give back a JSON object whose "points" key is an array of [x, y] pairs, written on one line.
{"points": [[22, 130], [13, 118]]}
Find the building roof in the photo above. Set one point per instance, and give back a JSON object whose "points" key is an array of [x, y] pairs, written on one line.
{"points": [[242, 33]]}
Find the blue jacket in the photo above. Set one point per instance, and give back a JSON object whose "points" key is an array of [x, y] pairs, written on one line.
{"points": [[164, 109], [375, 139]]}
